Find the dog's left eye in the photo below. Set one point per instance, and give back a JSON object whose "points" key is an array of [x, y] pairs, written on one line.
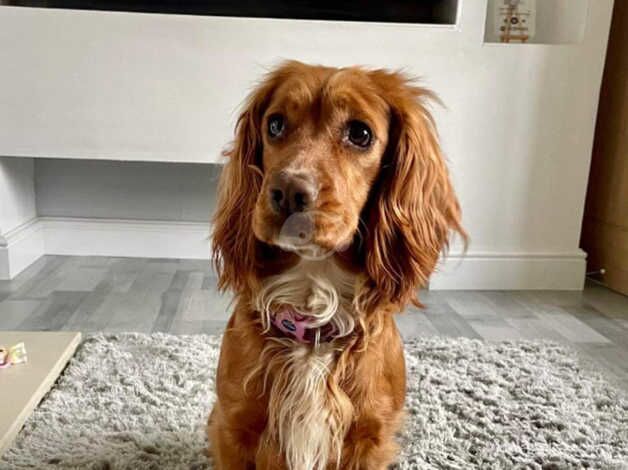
{"points": [[359, 134]]}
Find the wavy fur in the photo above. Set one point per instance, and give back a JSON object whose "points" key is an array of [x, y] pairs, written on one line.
{"points": [[282, 404]]}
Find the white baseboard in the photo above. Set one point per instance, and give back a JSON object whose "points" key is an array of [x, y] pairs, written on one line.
{"points": [[168, 239], [20, 247], [511, 271], [127, 238]]}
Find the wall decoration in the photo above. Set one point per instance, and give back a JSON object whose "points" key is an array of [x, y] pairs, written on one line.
{"points": [[515, 20]]}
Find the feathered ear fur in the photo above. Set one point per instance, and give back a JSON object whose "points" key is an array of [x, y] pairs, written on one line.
{"points": [[233, 243], [412, 209]]}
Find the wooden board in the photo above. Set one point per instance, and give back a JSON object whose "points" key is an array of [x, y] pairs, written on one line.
{"points": [[23, 386], [605, 226]]}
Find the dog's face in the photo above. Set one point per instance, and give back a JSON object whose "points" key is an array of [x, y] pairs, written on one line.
{"points": [[325, 159], [324, 134]]}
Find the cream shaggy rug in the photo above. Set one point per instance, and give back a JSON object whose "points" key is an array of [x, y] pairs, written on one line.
{"points": [[132, 401]]}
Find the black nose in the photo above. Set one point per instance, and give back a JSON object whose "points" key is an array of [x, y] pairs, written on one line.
{"points": [[291, 193]]}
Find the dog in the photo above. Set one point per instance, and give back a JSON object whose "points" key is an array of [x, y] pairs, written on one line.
{"points": [[333, 209]]}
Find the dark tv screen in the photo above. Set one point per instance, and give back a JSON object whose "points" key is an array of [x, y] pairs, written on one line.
{"points": [[388, 11]]}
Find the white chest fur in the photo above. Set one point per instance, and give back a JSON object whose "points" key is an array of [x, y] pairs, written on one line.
{"points": [[319, 289], [308, 413]]}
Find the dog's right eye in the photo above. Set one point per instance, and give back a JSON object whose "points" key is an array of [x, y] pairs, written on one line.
{"points": [[276, 125], [359, 134]]}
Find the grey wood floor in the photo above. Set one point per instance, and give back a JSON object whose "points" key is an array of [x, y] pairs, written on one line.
{"points": [[93, 294]]}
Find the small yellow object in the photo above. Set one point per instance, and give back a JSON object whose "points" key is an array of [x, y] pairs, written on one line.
{"points": [[14, 355]]}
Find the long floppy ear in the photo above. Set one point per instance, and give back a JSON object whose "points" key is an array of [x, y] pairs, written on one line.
{"points": [[412, 208], [233, 243]]}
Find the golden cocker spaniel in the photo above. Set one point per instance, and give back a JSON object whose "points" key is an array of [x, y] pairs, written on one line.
{"points": [[333, 209]]}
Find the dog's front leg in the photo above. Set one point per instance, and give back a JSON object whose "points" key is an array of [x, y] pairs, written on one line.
{"points": [[269, 458], [369, 453], [225, 445]]}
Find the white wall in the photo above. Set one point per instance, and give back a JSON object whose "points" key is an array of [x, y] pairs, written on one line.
{"points": [[17, 192], [20, 240], [517, 129], [180, 192]]}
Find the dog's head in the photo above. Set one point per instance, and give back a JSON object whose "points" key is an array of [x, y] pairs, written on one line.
{"points": [[329, 161]]}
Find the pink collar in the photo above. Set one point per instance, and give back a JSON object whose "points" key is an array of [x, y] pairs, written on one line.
{"points": [[296, 325]]}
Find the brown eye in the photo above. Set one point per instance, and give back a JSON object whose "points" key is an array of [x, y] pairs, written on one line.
{"points": [[276, 125], [359, 134]]}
